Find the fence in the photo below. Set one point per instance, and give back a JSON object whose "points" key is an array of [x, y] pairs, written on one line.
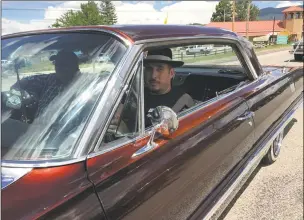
{"points": [[183, 55]]}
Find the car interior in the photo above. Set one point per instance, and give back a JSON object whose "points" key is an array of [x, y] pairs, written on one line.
{"points": [[203, 83]]}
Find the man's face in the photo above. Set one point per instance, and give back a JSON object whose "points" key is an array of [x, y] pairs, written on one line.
{"points": [[158, 77]]}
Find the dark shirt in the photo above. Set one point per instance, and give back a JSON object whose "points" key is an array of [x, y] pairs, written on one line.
{"points": [[44, 87], [169, 99]]}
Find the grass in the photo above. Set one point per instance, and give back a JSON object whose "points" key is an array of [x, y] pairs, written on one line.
{"points": [[230, 54], [45, 66]]}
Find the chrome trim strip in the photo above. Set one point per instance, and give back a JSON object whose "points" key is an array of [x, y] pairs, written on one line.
{"points": [[41, 164], [141, 100], [230, 193], [84, 29], [122, 144], [202, 105]]}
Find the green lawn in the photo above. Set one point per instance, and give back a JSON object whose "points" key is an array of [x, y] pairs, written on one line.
{"points": [[201, 57]]}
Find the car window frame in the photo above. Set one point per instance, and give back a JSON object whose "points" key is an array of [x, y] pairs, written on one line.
{"points": [[81, 146], [175, 42], [97, 150], [241, 56]]}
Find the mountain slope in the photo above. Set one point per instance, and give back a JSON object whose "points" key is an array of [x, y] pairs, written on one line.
{"points": [[269, 13]]}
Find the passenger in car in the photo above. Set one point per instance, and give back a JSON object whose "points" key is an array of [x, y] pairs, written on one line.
{"points": [[159, 72], [46, 87]]}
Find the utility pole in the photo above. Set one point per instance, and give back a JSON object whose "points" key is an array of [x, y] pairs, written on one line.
{"points": [[273, 29], [233, 12], [248, 18], [224, 15]]}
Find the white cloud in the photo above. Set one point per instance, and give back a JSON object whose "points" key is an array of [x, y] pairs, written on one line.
{"points": [[11, 26], [141, 12], [179, 13], [288, 4]]}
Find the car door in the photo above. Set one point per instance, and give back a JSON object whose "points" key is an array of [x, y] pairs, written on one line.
{"points": [[272, 95], [172, 179]]}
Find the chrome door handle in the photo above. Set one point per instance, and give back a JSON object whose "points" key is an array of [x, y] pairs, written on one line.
{"points": [[246, 116]]}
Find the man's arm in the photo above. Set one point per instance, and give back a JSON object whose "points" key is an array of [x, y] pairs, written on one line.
{"points": [[184, 102]]}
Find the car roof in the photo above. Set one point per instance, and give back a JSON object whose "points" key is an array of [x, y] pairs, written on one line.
{"points": [[135, 33]]}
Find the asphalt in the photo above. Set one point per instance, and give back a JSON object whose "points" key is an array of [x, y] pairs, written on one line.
{"points": [[275, 191]]}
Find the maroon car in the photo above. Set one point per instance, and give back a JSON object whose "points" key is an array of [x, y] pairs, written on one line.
{"points": [[68, 154]]}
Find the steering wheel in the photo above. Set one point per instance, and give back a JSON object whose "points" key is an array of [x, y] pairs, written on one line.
{"points": [[20, 102]]}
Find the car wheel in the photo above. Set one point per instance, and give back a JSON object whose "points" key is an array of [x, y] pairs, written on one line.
{"points": [[298, 57], [274, 150]]}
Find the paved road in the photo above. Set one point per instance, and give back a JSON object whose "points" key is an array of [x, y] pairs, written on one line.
{"points": [[281, 58], [276, 191]]}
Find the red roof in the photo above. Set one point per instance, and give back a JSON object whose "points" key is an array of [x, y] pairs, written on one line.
{"points": [[256, 28], [293, 9]]}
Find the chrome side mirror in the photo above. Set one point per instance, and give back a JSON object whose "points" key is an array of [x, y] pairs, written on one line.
{"points": [[164, 121]]}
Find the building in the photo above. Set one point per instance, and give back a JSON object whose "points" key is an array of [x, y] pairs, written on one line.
{"points": [[292, 23]]}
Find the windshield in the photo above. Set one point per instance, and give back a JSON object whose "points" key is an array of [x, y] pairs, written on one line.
{"points": [[50, 84]]}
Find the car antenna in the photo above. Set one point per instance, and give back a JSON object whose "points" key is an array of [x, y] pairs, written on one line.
{"points": [[284, 68]]}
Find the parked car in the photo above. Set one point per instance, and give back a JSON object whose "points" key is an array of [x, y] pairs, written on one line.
{"points": [[103, 58], [298, 50], [204, 49], [71, 161]]}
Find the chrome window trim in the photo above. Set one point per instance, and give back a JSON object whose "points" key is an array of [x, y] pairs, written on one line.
{"points": [[135, 67], [202, 39], [74, 30], [41, 164], [103, 113]]}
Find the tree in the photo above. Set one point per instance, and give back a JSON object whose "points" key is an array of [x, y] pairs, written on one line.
{"points": [[108, 12], [197, 24], [223, 8], [89, 14], [241, 10]]}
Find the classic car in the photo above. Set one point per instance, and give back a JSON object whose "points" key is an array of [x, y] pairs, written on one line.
{"points": [[78, 159], [298, 50]]}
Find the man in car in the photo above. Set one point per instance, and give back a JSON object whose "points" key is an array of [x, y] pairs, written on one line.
{"points": [[159, 74], [46, 87]]}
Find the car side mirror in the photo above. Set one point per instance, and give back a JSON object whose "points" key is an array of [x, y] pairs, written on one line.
{"points": [[164, 121]]}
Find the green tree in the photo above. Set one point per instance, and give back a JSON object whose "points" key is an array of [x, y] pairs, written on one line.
{"points": [[241, 10], [89, 14], [108, 12], [222, 9]]}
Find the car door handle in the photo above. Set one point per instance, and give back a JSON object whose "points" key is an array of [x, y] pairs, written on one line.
{"points": [[246, 116]]}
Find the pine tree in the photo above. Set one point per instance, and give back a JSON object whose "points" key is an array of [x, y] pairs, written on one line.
{"points": [[108, 12], [88, 15]]}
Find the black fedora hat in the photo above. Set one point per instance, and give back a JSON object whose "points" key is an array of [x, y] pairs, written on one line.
{"points": [[162, 56]]}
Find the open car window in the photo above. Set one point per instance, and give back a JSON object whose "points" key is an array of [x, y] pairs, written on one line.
{"points": [[50, 84]]}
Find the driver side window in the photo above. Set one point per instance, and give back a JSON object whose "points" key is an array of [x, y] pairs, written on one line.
{"points": [[125, 123]]}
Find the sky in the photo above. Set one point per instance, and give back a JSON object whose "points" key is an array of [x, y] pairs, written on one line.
{"points": [[30, 15]]}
